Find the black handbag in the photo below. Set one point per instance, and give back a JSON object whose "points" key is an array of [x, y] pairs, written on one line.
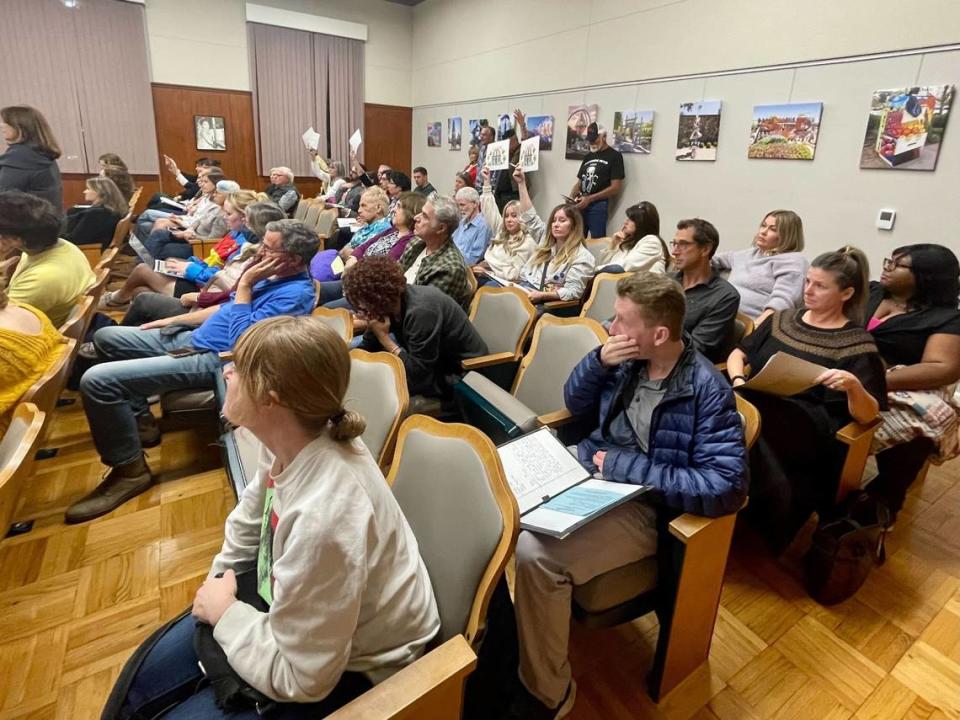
{"points": [[844, 550], [231, 692]]}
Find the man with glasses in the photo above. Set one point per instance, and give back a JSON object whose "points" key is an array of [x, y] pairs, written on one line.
{"points": [[712, 302], [181, 352]]}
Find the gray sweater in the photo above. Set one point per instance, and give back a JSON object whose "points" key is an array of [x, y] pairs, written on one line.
{"points": [[764, 281]]}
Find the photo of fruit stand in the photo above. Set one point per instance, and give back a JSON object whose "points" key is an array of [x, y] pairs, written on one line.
{"points": [[906, 127]]}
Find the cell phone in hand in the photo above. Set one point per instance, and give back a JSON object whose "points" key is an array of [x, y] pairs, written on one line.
{"points": [[183, 352]]}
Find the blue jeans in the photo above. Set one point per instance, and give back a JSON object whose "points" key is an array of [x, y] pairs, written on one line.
{"points": [[169, 677], [595, 218], [162, 244], [114, 393], [146, 220]]}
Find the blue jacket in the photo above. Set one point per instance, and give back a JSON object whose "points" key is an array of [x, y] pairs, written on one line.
{"points": [[696, 460]]}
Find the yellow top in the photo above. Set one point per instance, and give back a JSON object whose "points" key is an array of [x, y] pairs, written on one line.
{"points": [[52, 280], [24, 358]]}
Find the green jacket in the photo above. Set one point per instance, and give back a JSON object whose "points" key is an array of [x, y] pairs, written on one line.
{"points": [[445, 269]]}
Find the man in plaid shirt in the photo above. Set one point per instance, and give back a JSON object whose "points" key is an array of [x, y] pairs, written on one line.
{"points": [[431, 258]]}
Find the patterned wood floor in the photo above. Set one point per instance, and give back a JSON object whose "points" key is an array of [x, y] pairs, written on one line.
{"points": [[75, 601]]}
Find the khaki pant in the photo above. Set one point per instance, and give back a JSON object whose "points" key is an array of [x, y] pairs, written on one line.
{"points": [[547, 570]]}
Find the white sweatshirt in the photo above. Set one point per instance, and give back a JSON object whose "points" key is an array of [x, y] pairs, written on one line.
{"points": [[646, 254], [350, 591]]}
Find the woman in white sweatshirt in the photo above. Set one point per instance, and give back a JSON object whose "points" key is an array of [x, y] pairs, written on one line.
{"points": [[327, 546], [511, 245], [637, 245]]}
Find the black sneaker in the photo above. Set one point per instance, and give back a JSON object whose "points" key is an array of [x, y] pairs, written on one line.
{"points": [[526, 707]]}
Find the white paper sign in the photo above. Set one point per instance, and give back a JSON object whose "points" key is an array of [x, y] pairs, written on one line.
{"points": [[498, 155], [530, 154], [355, 141], [311, 139]]}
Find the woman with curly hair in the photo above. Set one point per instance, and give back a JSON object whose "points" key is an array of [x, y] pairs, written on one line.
{"points": [[420, 324]]}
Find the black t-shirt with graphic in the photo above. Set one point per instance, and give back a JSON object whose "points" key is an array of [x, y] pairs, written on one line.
{"points": [[598, 169]]}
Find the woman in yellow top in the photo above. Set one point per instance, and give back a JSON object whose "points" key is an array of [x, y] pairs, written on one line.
{"points": [[29, 344]]}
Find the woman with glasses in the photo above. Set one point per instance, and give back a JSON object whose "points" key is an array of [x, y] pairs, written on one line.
{"points": [[913, 317], [769, 275], [795, 464]]}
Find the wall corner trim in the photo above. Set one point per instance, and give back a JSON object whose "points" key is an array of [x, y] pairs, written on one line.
{"points": [[304, 21]]}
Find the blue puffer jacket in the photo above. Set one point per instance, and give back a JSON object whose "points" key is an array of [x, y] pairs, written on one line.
{"points": [[696, 460]]}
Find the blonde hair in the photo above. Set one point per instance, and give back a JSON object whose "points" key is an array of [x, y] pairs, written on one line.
{"points": [[108, 195], [789, 230], [240, 199], [566, 252], [379, 197], [306, 366], [503, 236]]}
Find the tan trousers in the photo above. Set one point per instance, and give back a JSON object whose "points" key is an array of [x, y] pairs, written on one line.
{"points": [[547, 570]]}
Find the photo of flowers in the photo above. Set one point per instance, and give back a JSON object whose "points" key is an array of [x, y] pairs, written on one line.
{"points": [[542, 126], [433, 134], [785, 132], [633, 131], [699, 130], [454, 132], [905, 128], [578, 118]]}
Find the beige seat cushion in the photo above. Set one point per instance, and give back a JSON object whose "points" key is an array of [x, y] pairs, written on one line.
{"points": [[187, 400], [617, 586]]}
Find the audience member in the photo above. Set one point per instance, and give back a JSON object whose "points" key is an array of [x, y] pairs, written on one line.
{"points": [[502, 181], [188, 182], [460, 181], [333, 174], [913, 317], [122, 178], [50, 274], [472, 167], [140, 363], [397, 182], [422, 325], [29, 345], [282, 190], [769, 276], [712, 302], [112, 159], [151, 220], [637, 245], [96, 222], [335, 596], [372, 215], [422, 182], [186, 276], [561, 265], [431, 258], [207, 221], [487, 136], [796, 462], [511, 245], [30, 161], [472, 234], [663, 417], [599, 179], [383, 175]]}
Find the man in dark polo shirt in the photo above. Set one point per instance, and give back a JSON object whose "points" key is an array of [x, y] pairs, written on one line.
{"points": [[712, 302], [599, 179]]}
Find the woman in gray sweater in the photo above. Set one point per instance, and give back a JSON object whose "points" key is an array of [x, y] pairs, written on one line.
{"points": [[769, 275]]}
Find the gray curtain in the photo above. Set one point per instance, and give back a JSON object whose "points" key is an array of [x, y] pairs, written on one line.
{"points": [[301, 80], [86, 70]]}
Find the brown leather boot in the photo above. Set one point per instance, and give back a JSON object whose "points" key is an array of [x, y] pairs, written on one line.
{"points": [[120, 484]]}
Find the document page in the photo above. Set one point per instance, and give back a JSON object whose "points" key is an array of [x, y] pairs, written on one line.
{"points": [[577, 506], [785, 375], [538, 467]]}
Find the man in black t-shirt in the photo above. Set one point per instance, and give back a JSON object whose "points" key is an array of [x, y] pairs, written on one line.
{"points": [[600, 178]]}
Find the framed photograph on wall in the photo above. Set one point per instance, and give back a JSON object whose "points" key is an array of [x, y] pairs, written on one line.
{"points": [[433, 134], [210, 131], [633, 131], [542, 126], [579, 118], [905, 128], [454, 132], [699, 131]]}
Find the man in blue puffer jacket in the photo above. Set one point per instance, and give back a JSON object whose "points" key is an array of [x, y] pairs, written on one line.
{"points": [[664, 417]]}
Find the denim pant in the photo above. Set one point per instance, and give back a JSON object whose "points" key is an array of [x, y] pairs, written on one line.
{"points": [[595, 218], [169, 676], [114, 393], [146, 220], [162, 244]]}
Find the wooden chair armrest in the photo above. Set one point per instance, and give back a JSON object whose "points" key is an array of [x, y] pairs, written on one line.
{"points": [[684, 527], [431, 687], [858, 436], [854, 432], [488, 360], [561, 304], [722, 367], [554, 419]]}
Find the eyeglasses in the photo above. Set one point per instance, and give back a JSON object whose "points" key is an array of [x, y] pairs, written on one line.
{"points": [[681, 244], [891, 265]]}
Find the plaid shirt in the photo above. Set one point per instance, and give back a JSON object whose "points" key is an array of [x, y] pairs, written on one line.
{"points": [[445, 269]]}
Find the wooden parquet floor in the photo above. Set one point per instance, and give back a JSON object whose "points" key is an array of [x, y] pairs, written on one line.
{"points": [[76, 600]]}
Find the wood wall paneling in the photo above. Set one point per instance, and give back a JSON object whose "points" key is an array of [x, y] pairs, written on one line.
{"points": [[175, 106], [388, 134]]}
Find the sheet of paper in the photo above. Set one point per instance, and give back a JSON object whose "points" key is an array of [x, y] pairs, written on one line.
{"points": [[538, 466], [355, 141], [160, 266], [172, 203], [311, 138], [785, 375], [498, 155], [530, 154], [563, 514], [346, 222]]}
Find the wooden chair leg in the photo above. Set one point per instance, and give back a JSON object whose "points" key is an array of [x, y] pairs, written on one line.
{"points": [[686, 633]]}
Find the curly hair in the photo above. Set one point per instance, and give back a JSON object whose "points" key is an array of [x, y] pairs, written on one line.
{"points": [[374, 285]]}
